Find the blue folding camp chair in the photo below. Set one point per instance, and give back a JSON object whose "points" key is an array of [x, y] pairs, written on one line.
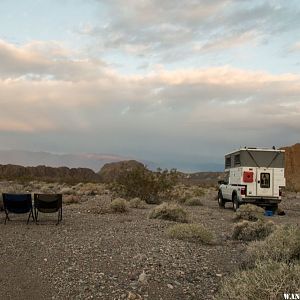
{"points": [[17, 204]]}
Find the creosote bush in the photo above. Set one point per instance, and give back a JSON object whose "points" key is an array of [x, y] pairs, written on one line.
{"points": [[267, 280], [190, 232], [250, 231], [194, 201], [144, 184], [170, 212], [281, 245], [249, 212], [137, 203], [119, 205]]}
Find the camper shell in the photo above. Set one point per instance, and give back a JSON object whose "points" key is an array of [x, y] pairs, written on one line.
{"points": [[253, 175]]}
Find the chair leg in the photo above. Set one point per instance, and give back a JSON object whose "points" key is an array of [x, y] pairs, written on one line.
{"points": [[29, 217], [6, 217], [36, 216]]}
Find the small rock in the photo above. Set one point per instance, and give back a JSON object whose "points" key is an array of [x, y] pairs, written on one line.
{"points": [[170, 286], [219, 275], [133, 296], [143, 278]]}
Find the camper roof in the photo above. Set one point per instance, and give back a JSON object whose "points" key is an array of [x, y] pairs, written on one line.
{"points": [[255, 149]]}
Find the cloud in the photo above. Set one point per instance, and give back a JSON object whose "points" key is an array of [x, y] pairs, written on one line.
{"points": [[169, 30], [295, 47], [46, 60], [89, 105]]}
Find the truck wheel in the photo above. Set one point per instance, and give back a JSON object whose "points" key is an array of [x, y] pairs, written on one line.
{"points": [[235, 202], [221, 201]]}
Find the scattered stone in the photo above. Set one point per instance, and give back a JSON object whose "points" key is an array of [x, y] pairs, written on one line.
{"points": [[143, 278]]}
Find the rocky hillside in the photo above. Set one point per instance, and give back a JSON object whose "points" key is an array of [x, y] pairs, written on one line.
{"points": [[110, 171], [292, 166], [43, 173]]}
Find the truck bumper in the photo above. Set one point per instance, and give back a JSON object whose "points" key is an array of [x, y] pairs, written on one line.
{"points": [[261, 201]]}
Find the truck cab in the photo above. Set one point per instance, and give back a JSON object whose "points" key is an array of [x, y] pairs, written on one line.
{"points": [[253, 175]]}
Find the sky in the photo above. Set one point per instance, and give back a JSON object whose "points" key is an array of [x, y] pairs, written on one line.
{"points": [[178, 83]]}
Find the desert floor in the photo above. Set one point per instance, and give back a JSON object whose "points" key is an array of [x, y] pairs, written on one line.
{"points": [[101, 256]]}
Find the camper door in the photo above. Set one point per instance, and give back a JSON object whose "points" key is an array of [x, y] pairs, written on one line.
{"points": [[264, 180]]}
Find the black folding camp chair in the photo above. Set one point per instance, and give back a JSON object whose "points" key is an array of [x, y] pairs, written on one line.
{"points": [[48, 203], [17, 204]]}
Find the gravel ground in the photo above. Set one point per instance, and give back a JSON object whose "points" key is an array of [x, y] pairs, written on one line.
{"points": [[119, 256]]}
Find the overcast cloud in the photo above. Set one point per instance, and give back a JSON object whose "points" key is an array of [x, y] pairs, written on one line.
{"points": [[166, 81]]}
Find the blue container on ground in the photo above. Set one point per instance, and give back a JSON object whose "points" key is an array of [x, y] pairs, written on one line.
{"points": [[268, 213]]}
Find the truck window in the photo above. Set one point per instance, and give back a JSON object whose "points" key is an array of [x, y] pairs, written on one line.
{"points": [[265, 180]]}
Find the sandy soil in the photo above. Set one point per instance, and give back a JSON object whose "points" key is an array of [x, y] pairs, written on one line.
{"points": [[102, 256]]}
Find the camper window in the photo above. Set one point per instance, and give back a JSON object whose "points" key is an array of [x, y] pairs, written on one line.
{"points": [[265, 180], [228, 162], [237, 160]]}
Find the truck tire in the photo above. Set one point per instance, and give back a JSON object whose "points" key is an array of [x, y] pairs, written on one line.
{"points": [[235, 202], [221, 201]]}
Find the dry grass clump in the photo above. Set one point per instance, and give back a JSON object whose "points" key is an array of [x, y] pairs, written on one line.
{"points": [[190, 232], [119, 205], [137, 203], [281, 245], [250, 231], [67, 191], [70, 199], [194, 201], [182, 192], [249, 212], [170, 212], [267, 280]]}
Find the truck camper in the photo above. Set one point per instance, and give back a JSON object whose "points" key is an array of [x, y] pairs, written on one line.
{"points": [[253, 175]]}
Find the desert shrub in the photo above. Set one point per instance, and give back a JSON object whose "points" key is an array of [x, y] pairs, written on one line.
{"points": [[267, 280], [195, 201], [249, 212], [119, 205], [70, 199], [250, 231], [66, 190], [137, 203], [199, 192], [144, 184], [169, 211], [190, 232], [283, 244]]}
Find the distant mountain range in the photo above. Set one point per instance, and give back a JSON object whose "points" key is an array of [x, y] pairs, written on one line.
{"points": [[32, 159], [90, 160]]}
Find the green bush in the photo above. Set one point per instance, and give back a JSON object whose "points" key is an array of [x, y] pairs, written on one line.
{"points": [[281, 245], [137, 203], [169, 211], [249, 212], [195, 201], [250, 231], [146, 185], [190, 232], [119, 205], [267, 280]]}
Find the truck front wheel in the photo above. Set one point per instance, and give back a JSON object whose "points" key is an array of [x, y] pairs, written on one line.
{"points": [[221, 201], [235, 202]]}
